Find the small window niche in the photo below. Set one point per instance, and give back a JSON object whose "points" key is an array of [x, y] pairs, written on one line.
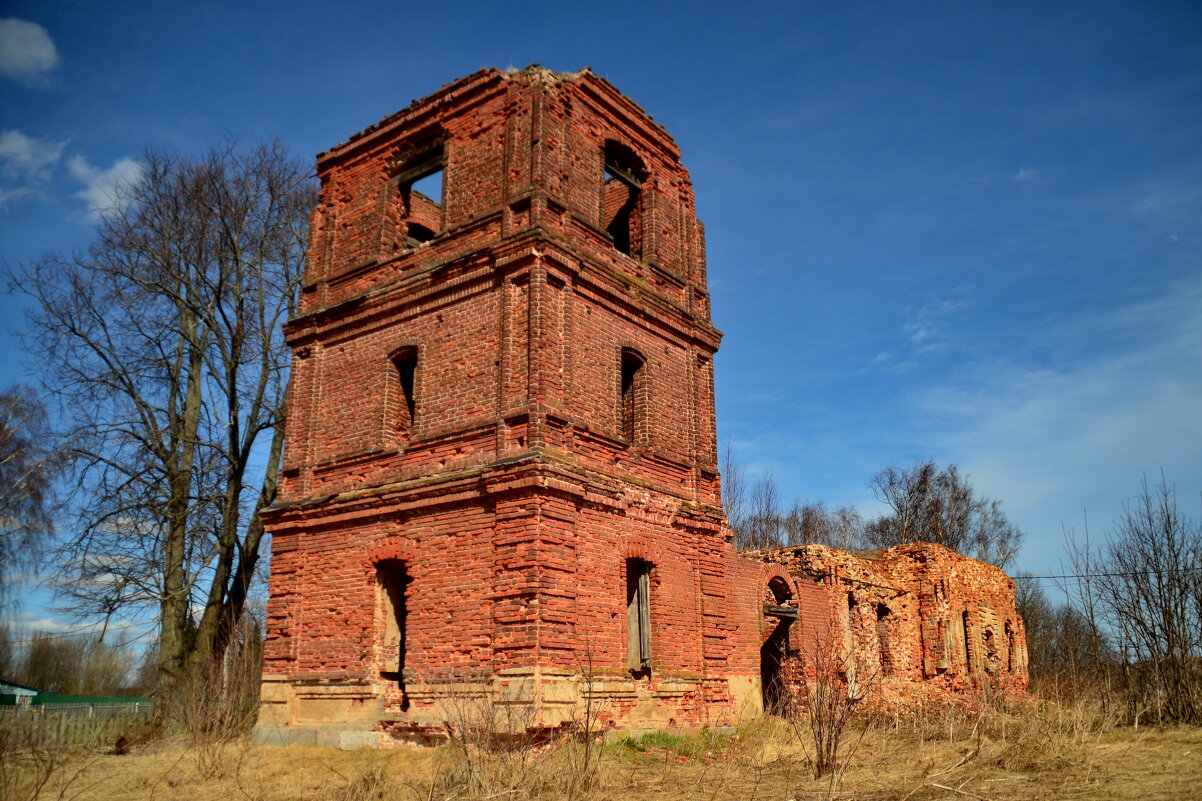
{"points": [[392, 582], [968, 644], [633, 394], [403, 398], [638, 616], [420, 191], [621, 200], [883, 639]]}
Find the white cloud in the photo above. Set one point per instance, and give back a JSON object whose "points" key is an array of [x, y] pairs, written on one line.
{"points": [[33, 622], [26, 51], [919, 332], [1025, 175], [102, 188], [25, 165]]}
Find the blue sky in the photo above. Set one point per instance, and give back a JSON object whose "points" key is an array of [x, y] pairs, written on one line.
{"points": [[960, 231]]}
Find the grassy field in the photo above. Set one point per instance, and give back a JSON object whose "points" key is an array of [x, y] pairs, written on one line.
{"points": [[1033, 754]]}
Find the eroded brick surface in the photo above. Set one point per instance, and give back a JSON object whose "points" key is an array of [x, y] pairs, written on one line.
{"points": [[501, 400]]}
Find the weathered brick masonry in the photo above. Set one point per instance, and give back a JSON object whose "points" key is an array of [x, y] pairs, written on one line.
{"points": [[501, 469]]}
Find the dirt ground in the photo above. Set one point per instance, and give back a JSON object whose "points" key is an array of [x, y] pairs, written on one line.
{"points": [[1016, 759]]}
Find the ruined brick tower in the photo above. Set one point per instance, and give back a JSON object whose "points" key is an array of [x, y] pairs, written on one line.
{"points": [[501, 454], [501, 475]]}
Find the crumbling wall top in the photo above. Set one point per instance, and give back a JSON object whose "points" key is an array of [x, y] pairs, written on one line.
{"points": [[488, 79]]}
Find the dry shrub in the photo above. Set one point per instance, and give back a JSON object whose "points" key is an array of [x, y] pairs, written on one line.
{"points": [[28, 768], [25, 770], [821, 705], [219, 703], [373, 785], [495, 748]]}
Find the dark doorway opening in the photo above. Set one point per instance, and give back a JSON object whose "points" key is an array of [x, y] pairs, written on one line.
{"points": [[392, 582], [775, 650]]}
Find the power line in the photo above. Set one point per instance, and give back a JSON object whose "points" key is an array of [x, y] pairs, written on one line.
{"points": [[1114, 575], [66, 635]]}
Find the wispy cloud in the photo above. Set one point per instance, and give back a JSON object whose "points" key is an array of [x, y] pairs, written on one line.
{"points": [[27, 52], [1025, 175], [102, 187], [1053, 440], [26, 164], [924, 331], [36, 623]]}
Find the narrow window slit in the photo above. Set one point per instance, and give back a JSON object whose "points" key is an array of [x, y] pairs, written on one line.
{"points": [[405, 368]]}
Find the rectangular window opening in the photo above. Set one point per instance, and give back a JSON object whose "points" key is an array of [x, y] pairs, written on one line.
{"points": [[621, 213], [883, 640], [421, 194], [638, 616]]}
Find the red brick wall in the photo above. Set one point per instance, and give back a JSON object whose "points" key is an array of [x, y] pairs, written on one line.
{"points": [[513, 498]]}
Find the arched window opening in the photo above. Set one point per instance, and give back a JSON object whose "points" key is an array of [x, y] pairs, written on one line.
{"points": [[633, 390], [638, 616], [420, 188], [1009, 629], [405, 367], [780, 589], [990, 648], [884, 641], [621, 212], [392, 581]]}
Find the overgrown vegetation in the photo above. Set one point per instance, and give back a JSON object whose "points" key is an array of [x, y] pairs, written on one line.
{"points": [[1032, 752]]}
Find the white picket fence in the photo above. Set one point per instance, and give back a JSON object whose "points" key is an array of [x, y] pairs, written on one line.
{"points": [[55, 725]]}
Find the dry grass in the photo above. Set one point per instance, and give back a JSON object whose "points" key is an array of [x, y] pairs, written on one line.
{"points": [[1044, 753]]}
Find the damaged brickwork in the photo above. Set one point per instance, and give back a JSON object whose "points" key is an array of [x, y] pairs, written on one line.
{"points": [[501, 479], [915, 624]]}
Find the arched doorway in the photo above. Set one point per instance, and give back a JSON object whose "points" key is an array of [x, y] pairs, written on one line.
{"points": [[781, 614]]}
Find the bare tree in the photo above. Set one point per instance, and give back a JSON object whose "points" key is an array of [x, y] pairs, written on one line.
{"points": [[163, 344], [763, 526], [841, 527], [27, 470], [1144, 584], [939, 505], [734, 488], [759, 522], [1061, 638]]}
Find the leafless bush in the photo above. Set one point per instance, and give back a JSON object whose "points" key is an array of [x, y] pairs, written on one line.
{"points": [[487, 730], [221, 701], [822, 704], [24, 770], [29, 768], [498, 746]]}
